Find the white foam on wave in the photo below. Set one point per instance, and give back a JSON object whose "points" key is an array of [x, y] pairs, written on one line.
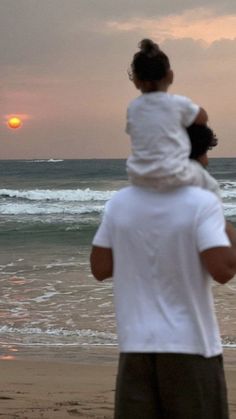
{"points": [[45, 297], [36, 336], [57, 332], [229, 345], [34, 209], [230, 194], [44, 161], [227, 184], [229, 209], [59, 336], [228, 189], [65, 195], [61, 264]]}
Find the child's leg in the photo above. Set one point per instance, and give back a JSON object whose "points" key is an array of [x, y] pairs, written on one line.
{"points": [[192, 174]]}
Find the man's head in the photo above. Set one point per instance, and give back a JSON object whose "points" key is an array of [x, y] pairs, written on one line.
{"points": [[202, 139]]}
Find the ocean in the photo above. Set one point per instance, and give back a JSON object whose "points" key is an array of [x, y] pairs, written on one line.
{"points": [[49, 212]]}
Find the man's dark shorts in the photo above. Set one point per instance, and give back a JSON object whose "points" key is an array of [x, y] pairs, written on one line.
{"points": [[170, 386]]}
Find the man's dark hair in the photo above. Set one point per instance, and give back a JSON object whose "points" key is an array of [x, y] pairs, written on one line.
{"points": [[202, 139]]}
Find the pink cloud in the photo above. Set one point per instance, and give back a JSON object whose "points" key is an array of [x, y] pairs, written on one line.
{"points": [[197, 24]]}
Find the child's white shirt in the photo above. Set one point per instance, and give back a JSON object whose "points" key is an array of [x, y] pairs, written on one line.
{"points": [[156, 123]]}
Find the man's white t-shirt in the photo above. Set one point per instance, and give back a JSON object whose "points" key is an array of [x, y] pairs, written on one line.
{"points": [[163, 297]]}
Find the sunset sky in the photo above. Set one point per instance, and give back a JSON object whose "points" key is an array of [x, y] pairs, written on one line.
{"points": [[63, 70]]}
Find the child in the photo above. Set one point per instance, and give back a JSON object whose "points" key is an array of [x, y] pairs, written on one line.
{"points": [[157, 122]]}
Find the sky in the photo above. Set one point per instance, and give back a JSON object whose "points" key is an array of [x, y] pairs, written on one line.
{"points": [[63, 71]]}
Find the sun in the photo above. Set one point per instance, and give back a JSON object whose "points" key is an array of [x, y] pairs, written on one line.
{"points": [[14, 122]]}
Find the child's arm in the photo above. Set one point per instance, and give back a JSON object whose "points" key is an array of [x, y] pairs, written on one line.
{"points": [[190, 112], [201, 118]]}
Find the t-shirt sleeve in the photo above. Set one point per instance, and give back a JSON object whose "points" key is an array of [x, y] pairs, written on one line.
{"points": [[211, 226], [102, 237], [188, 109]]}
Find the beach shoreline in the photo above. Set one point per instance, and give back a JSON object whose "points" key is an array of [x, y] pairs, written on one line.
{"points": [[62, 388], [58, 349]]}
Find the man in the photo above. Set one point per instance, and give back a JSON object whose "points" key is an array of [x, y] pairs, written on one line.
{"points": [[161, 249], [202, 139]]}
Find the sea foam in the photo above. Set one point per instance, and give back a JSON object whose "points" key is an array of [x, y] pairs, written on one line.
{"points": [[57, 194]]}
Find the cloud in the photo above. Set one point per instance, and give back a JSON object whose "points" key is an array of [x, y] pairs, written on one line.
{"points": [[64, 64], [31, 32], [124, 9], [39, 37], [197, 24], [104, 10]]}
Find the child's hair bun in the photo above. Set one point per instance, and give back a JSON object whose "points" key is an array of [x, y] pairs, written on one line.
{"points": [[150, 63], [149, 48]]}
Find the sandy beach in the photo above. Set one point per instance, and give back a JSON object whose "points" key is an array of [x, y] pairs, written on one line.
{"points": [[35, 389]]}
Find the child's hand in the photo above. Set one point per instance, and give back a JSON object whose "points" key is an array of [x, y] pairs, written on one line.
{"points": [[202, 117]]}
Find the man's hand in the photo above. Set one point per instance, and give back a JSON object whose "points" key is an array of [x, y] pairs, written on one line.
{"points": [[220, 262], [101, 262]]}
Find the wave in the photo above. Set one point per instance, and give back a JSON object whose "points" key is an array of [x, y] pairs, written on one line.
{"points": [[228, 189], [60, 336], [44, 161], [229, 209], [57, 332], [65, 195], [28, 209]]}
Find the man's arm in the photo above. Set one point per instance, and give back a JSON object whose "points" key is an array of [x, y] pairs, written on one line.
{"points": [[220, 262], [101, 262]]}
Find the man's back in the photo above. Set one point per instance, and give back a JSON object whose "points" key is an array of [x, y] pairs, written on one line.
{"points": [[162, 293], [170, 363]]}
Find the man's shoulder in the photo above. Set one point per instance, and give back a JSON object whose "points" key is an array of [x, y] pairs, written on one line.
{"points": [[179, 193], [122, 193], [130, 194], [187, 203], [198, 191], [199, 196], [188, 194], [119, 201]]}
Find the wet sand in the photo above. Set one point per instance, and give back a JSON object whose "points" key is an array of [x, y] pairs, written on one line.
{"points": [[35, 389]]}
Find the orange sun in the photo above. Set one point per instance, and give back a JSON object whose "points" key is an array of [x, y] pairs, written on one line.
{"points": [[14, 122]]}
